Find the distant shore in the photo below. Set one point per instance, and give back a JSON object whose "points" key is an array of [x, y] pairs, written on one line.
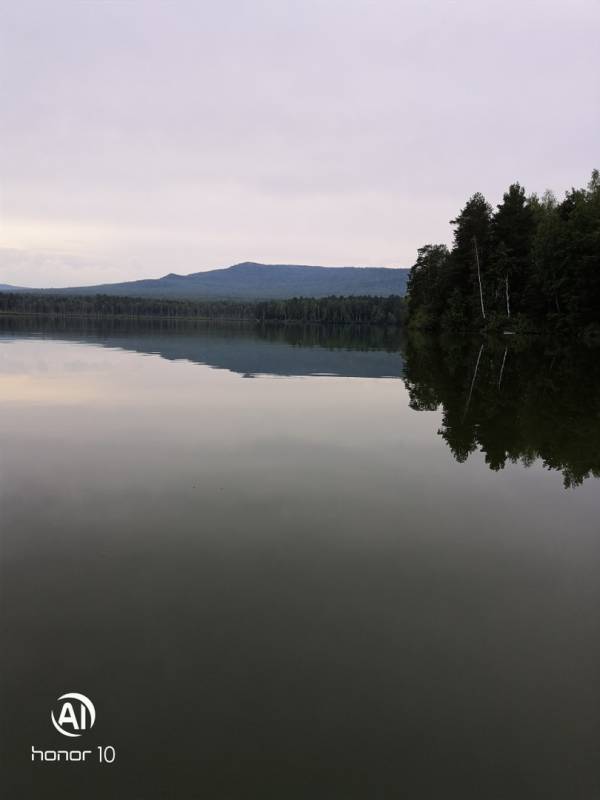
{"points": [[353, 310]]}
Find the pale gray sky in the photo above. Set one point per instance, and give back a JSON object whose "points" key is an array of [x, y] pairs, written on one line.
{"points": [[141, 137]]}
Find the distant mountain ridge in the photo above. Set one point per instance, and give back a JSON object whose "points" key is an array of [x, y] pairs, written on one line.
{"points": [[252, 281]]}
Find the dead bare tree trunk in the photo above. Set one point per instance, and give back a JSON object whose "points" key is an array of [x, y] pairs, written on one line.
{"points": [[479, 276], [507, 295]]}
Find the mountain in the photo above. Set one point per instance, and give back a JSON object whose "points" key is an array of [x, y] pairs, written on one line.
{"points": [[251, 281]]}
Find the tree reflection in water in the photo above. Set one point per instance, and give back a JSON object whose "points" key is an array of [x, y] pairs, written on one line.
{"points": [[517, 400]]}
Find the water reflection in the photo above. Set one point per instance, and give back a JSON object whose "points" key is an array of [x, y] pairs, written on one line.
{"points": [[246, 349], [288, 588], [516, 400]]}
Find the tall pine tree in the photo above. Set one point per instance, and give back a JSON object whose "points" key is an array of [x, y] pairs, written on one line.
{"points": [[470, 257]]}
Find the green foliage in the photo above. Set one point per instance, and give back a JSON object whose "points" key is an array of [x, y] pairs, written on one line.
{"points": [[325, 310], [104, 305], [456, 313], [513, 228], [471, 254], [334, 310], [533, 264], [426, 283]]}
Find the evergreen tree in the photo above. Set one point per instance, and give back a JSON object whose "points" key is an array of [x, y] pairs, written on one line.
{"points": [[534, 261], [470, 259], [428, 282], [513, 228]]}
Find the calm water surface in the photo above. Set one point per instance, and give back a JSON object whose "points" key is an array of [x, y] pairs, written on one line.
{"points": [[299, 564]]}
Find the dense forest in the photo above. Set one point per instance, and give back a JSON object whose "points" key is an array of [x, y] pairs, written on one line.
{"points": [[532, 264], [334, 310], [516, 400], [324, 310], [103, 305]]}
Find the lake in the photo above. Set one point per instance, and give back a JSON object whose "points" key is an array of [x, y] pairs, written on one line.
{"points": [[299, 563]]}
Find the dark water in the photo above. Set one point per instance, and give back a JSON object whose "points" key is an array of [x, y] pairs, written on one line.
{"points": [[299, 564]]}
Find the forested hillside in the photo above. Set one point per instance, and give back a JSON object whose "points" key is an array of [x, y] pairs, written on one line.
{"points": [[251, 282], [532, 264]]}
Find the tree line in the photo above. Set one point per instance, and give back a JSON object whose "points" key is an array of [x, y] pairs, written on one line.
{"points": [[323, 310], [104, 305], [532, 264], [356, 310]]}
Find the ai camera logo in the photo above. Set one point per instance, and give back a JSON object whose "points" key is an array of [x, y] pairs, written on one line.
{"points": [[76, 716]]}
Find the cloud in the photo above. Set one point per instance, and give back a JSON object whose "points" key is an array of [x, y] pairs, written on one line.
{"points": [[142, 136]]}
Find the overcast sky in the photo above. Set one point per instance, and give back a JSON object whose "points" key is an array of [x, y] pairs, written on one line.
{"points": [[140, 138]]}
